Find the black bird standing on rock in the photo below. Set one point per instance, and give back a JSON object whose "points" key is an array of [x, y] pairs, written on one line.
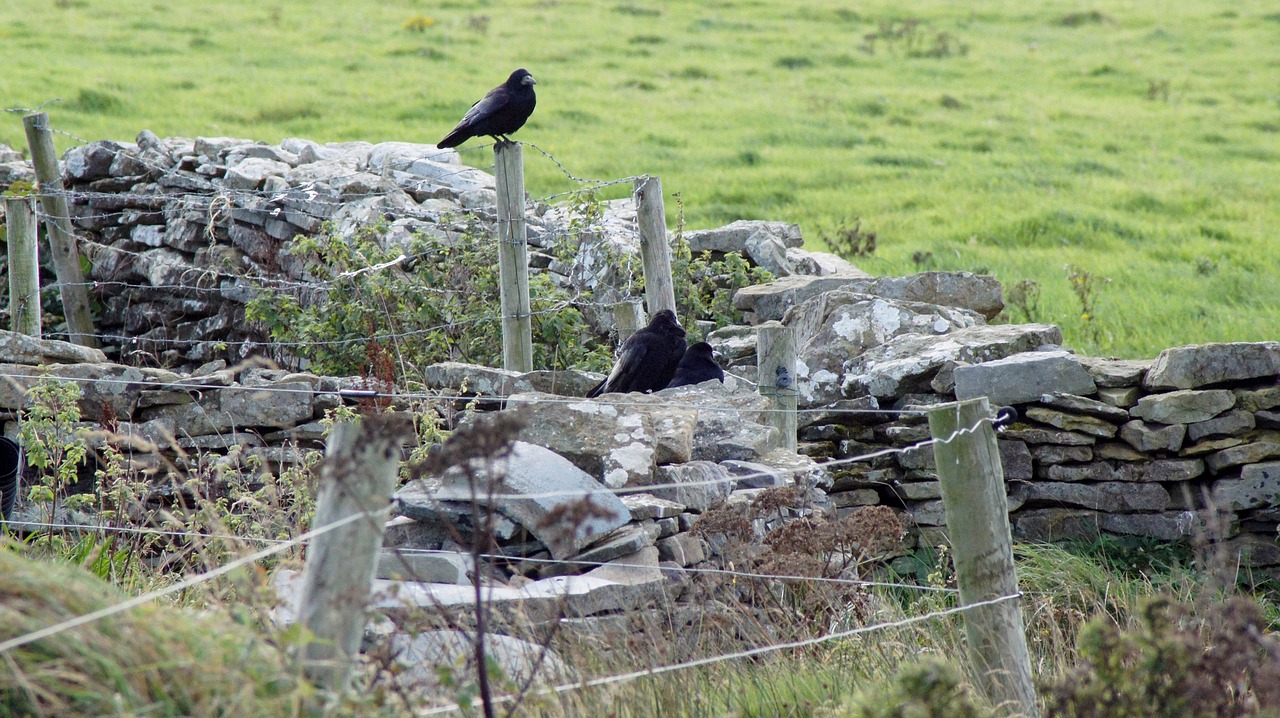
{"points": [[499, 113], [648, 358], [696, 366]]}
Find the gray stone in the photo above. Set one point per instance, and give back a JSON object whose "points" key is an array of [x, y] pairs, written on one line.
{"points": [[1258, 399], [734, 237], [1037, 435], [1184, 406], [1116, 373], [1234, 422], [1161, 470], [1015, 459], [1085, 405], [1252, 550], [1046, 454], [1167, 526], [469, 378], [698, 485], [1045, 525], [250, 173], [861, 411], [648, 506], [821, 264], [951, 289], [1148, 437], [616, 444], [419, 656], [908, 362], [1118, 451], [1106, 496], [1189, 367], [1122, 397], [907, 490], [1210, 446], [625, 541], [1265, 447], [834, 327], [90, 162], [1257, 487], [754, 475], [538, 486], [1267, 419], [21, 349], [1023, 377], [431, 567], [212, 147], [683, 548], [1072, 422], [387, 156]]}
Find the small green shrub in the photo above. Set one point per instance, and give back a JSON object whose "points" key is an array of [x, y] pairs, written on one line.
{"points": [[52, 442], [930, 688]]}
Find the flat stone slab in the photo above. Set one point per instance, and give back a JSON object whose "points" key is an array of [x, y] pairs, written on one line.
{"points": [[966, 290], [1023, 378], [1183, 406], [1267, 447], [1072, 422], [1107, 496], [1084, 405], [427, 566], [1115, 373], [1161, 470], [539, 485], [1153, 437], [420, 654], [1257, 487], [1190, 367], [18, 348]]}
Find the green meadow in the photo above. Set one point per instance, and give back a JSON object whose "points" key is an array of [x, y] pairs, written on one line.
{"points": [[1133, 145]]}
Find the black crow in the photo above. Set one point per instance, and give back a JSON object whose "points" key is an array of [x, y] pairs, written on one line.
{"points": [[499, 113], [648, 358], [696, 366]]}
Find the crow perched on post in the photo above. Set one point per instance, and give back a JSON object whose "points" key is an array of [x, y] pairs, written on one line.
{"points": [[696, 366], [498, 113], [648, 358]]}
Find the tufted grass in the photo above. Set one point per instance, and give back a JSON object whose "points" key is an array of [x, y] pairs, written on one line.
{"points": [[1136, 142]]}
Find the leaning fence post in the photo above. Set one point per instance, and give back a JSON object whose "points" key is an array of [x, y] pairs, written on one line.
{"points": [[358, 475], [659, 290], [628, 316], [776, 360], [24, 266], [513, 260], [972, 484], [62, 242]]}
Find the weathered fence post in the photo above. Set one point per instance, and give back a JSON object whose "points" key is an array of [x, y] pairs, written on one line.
{"points": [[628, 316], [513, 259], [62, 242], [776, 358], [973, 494], [24, 266], [357, 477], [659, 291]]}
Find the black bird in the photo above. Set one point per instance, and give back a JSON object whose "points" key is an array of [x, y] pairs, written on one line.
{"points": [[696, 366], [648, 358], [498, 113]]}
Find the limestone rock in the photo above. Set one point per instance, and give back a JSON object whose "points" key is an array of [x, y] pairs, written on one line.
{"points": [[907, 363], [1258, 486], [1234, 422], [1265, 447], [1194, 366], [431, 567], [1115, 373], [698, 485], [418, 656], [951, 289], [21, 349], [614, 444], [1160, 470], [1072, 422], [1024, 377], [1184, 406], [734, 237], [536, 484], [1085, 405], [1153, 437], [1106, 496]]}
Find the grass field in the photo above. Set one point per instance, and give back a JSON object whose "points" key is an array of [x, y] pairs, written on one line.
{"points": [[1135, 142]]}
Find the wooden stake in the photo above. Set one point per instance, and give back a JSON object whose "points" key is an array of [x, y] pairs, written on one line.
{"points": [[972, 483], [513, 258], [659, 291], [24, 265], [62, 241], [628, 316], [776, 358], [358, 476]]}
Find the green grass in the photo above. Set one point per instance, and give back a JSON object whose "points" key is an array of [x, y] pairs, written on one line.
{"points": [[1133, 141]]}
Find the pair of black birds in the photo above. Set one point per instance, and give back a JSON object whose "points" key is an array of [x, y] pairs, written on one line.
{"points": [[653, 358], [656, 358]]}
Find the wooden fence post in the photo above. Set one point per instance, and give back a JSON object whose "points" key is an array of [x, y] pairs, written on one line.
{"points": [[973, 494], [24, 266], [62, 242], [776, 359], [513, 258], [358, 475], [628, 316], [659, 291]]}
